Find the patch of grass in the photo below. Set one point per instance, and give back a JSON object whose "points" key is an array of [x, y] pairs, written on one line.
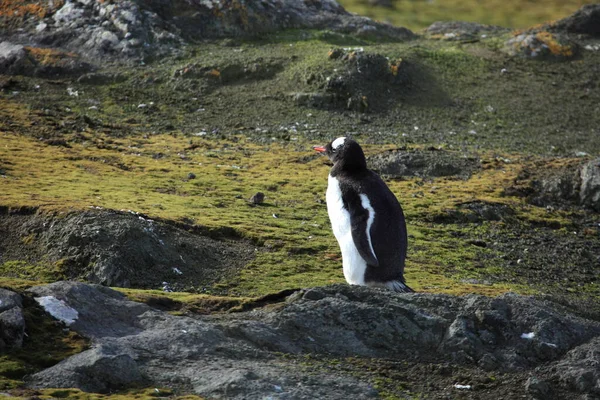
{"points": [[150, 393], [26, 271], [415, 14], [182, 302]]}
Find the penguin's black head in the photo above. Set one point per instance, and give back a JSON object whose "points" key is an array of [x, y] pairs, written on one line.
{"points": [[345, 153]]}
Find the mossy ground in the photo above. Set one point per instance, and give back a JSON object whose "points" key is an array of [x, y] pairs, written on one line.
{"points": [[416, 14], [66, 145]]}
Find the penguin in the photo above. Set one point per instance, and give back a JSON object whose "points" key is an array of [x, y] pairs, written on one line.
{"points": [[366, 218]]}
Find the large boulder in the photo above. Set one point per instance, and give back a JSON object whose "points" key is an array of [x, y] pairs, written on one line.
{"points": [[239, 355], [542, 45]]}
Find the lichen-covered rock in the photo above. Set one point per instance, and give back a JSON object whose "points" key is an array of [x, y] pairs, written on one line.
{"points": [[461, 30], [12, 322], [24, 60], [542, 45], [140, 29]]}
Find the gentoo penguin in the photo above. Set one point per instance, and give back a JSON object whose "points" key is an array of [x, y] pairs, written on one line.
{"points": [[366, 219]]}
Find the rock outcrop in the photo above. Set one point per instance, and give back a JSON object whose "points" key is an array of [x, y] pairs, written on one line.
{"points": [[134, 29], [236, 355], [561, 186]]}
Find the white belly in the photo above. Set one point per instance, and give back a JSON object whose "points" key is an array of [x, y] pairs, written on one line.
{"points": [[354, 265]]}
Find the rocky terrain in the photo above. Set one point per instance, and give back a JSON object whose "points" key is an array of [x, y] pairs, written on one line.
{"points": [[163, 148]]}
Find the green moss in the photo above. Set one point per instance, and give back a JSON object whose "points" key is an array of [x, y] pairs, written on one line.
{"points": [[417, 14], [150, 393], [24, 270]]}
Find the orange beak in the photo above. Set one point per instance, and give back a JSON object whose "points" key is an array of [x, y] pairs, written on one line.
{"points": [[319, 149]]}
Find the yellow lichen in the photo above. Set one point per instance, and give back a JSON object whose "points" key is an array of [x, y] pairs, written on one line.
{"points": [[395, 66], [49, 56]]}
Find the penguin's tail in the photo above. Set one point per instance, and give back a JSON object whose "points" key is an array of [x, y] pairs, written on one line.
{"points": [[398, 286]]}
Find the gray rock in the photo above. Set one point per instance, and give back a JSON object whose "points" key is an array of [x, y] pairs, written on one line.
{"points": [[574, 184], [13, 59], [12, 322], [236, 355], [135, 344], [68, 13], [102, 369], [586, 20], [537, 388], [579, 369], [589, 192]]}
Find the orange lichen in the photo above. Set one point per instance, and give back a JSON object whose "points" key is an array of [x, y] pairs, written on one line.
{"points": [[555, 47], [23, 8], [49, 56]]}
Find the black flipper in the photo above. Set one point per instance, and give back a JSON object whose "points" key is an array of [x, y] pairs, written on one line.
{"points": [[359, 221]]}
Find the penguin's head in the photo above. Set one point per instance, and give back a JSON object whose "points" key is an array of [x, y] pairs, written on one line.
{"points": [[344, 151]]}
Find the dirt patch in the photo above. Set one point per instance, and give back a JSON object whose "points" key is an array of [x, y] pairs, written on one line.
{"points": [[558, 260], [424, 163], [118, 249]]}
